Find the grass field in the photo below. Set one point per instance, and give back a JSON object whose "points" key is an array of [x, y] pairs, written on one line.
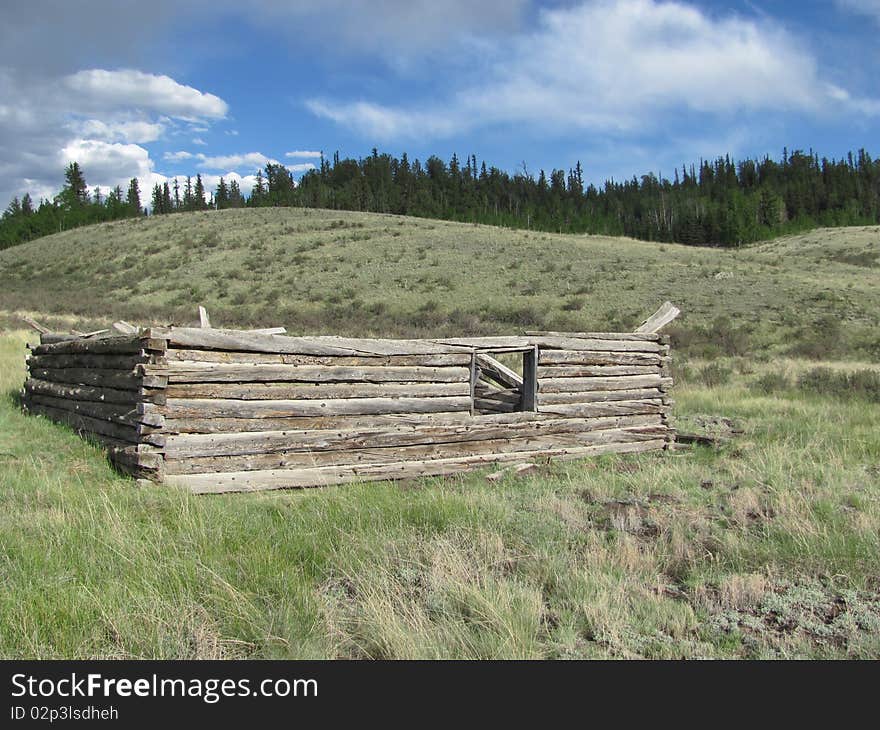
{"points": [[768, 546]]}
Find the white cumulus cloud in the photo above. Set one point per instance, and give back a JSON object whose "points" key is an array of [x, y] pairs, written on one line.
{"points": [[618, 65]]}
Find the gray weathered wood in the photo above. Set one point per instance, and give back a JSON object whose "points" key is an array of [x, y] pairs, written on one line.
{"points": [[589, 357], [204, 320], [125, 327], [630, 382], [638, 336], [596, 371], [598, 396], [105, 345], [126, 362], [554, 343], [417, 452], [663, 316], [186, 372], [210, 408], [473, 429], [123, 413], [93, 393], [102, 378], [98, 426], [269, 358], [319, 476], [498, 371], [608, 408], [296, 391]]}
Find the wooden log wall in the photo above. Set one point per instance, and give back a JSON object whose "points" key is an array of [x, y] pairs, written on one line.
{"points": [[95, 385], [222, 410]]}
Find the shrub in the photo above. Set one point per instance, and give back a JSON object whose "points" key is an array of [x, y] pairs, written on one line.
{"points": [[863, 384], [771, 383], [714, 374]]}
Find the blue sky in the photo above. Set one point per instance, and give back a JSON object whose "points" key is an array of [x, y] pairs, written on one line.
{"points": [[625, 86]]}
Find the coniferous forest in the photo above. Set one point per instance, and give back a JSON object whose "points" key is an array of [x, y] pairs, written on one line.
{"points": [[719, 203]]}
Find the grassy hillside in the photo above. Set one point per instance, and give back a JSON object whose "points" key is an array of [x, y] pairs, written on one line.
{"points": [[353, 273]]}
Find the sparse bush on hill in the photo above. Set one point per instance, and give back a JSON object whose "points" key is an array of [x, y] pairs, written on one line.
{"points": [[862, 384]]}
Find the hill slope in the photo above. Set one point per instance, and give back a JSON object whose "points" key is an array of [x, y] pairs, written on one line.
{"points": [[358, 273]]}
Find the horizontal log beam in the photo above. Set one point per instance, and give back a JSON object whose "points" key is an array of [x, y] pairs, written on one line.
{"points": [[116, 379], [207, 408], [597, 371], [591, 357], [612, 408], [424, 432], [297, 391], [94, 393], [320, 476], [187, 372], [269, 358], [417, 452], [567, 385], [103, 345]]}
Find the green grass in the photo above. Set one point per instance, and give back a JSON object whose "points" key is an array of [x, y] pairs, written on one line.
{"points": [[357, 273], [766, 547]]}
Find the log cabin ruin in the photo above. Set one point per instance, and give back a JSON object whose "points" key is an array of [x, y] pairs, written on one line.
{"points": [[217, 410]]}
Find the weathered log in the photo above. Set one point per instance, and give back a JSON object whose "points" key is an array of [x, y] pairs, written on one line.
{"points": [[241, 425], [92, 393], [126, 362], [116, 379], [612, 408], [636, 336], [296, 391], [598, 396], [103, 345], [552, 343], [291, 478], [269, 358], [238, 340], [418, 452], [85, 424], [126, 414], [598, 371], [186, 372], [591, 357], [424, 432], [215, 408], [632, 382]]}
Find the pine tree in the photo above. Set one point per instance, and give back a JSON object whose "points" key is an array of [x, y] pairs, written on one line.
{"points": [[133, 199], [199, 194]]}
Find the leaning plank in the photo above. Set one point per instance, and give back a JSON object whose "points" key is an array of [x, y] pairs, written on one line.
{"points": [[211, 408], [567, 385], [204, 320], [125, 327], [418, 452], [318, 476], [187, 372], [475, 429], [114, 345], [99, 377], [498, 371], [296, 391], [271, 358], [36, 325], [590, 357], [663, 316]]}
